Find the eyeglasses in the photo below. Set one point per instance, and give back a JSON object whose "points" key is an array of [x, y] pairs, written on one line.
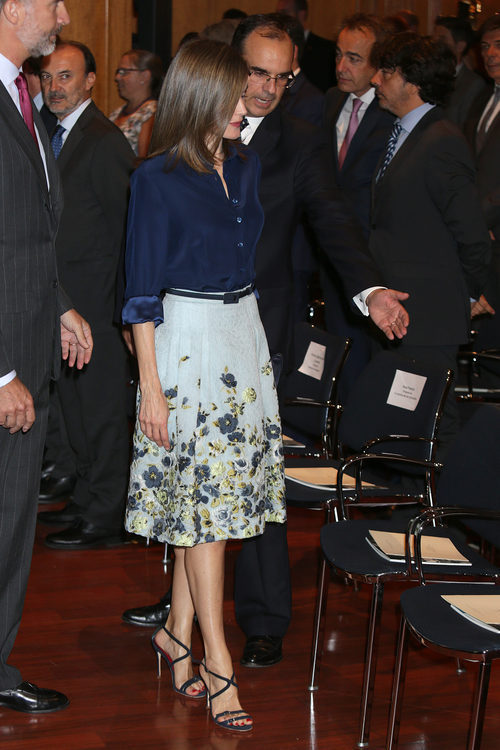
{"points": [[126, 71], [283, 80]]}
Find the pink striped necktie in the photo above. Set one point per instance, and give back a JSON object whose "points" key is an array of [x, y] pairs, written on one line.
{"points": [[25, 103], [351, 129]]}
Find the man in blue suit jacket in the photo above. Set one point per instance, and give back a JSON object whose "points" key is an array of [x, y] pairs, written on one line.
{"points": [[353, 169]]}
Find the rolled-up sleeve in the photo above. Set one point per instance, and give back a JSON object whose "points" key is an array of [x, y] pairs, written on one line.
{"points": [[145, 258]]}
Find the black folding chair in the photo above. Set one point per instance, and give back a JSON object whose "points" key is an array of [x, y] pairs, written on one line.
{"points": [[346, 549], [309, 409], [436, 625]]}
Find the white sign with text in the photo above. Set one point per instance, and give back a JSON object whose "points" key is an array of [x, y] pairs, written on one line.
{"points": [[406, 390], [314, 361]]}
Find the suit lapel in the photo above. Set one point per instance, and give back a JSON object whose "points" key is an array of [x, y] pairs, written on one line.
{"points": [[267, 134], [493, 132], [21, 134], [332, 114], [366, 125], [75, 136]]}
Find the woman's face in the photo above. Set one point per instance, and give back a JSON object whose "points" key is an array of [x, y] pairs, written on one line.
{"points": [[232, 130], [130, 81]]}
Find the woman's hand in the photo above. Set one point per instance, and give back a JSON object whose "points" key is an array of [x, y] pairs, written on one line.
{"points": [[153, 415]]}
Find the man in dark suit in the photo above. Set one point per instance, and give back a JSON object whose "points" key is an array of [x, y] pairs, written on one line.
{"points": [[295, 179], [357, 130], [317, 58], [95, 162], [483, 132], [457, 34], [427, 230], [36, 317]]}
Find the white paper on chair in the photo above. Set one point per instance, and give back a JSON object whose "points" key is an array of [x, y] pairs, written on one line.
{"points": [[314, 361], [406, 390], [481, 609]]}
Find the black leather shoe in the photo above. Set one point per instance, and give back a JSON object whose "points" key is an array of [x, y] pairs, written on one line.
{"points": [[48, 468], [84, 535], [67, 515], [262, 651], [151, 616], [52, 488], [31, 699]]}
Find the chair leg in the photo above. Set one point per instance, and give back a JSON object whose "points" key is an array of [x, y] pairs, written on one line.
{"points": [[370, 663], [398, 687], [479, 706], [319, 624]]}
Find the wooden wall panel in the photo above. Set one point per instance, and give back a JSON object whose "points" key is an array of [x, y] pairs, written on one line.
{"points": [[105, 26]]}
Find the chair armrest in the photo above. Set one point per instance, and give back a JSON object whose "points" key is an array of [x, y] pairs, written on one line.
{"points": [[430, 516], [302, 401], [358, 460], [395, 439]]}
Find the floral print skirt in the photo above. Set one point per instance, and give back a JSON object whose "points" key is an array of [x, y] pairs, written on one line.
{"points": [[223, 477]]}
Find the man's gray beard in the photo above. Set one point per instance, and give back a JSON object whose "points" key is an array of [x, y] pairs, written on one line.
{"points": [[42, 48]]}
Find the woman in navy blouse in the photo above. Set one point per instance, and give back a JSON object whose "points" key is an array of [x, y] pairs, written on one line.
{"points": [[207, 464]]}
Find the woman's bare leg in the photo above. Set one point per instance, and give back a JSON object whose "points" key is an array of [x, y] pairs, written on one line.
{"points": [[204, 566], [180, 624]]}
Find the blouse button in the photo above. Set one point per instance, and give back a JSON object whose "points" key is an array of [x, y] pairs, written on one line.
{"points": [[239, 219]]}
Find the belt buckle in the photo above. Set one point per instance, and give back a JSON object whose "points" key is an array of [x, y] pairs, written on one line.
{"points": [[231, 298]]}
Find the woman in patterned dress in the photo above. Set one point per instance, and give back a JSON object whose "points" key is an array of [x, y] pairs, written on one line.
{"points": [[207, 464], [138, 79]]}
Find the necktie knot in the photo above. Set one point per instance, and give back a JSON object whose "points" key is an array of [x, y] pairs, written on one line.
{"points": [[57, 140], [25, 104]]}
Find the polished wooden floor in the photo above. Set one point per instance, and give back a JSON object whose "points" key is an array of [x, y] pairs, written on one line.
{"points": [[72, 638]]}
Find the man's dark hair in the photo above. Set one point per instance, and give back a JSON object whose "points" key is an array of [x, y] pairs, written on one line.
{"points": [[361, 21], [427, 63], [272, 26], [90, 66], [294, 29], [459, 28], [491, 24], [234, 13]]}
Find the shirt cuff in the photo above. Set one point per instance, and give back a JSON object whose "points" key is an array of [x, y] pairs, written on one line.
{"points": [[4, 379], [143, 310], [360, 299]]}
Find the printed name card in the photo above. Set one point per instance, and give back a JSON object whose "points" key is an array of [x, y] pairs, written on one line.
{"points": [[406, 390], [314, 361]]}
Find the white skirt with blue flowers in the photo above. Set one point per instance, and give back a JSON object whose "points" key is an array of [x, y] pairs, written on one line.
{"points": [[223, 477]]}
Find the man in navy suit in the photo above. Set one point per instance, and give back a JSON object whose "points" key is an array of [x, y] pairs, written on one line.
{"points": [[355, 149], [95, 162], [427, 229], [36, 319]]}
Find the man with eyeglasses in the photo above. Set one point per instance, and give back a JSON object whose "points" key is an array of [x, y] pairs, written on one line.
{"points": [[295, 178]]}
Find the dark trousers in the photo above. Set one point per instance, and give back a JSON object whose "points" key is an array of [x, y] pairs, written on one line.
{"points": [[20, 463], [94, 406], [263, 597]]}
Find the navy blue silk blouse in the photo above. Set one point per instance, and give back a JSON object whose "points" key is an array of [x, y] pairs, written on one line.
{"points": [[184, 232]]}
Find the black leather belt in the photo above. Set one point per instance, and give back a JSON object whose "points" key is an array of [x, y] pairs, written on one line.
{"points": [[228, 298]]}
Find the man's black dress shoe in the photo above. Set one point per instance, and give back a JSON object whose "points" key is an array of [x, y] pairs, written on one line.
{"points": [[54, 488], [84, 535], [262, 651], [48, 468], [151, 616], [69, 514], [31, 699]]}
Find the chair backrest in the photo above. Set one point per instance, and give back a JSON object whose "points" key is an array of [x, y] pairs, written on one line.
{"points": [[368, 415], [313, 346], [471, 472]]}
